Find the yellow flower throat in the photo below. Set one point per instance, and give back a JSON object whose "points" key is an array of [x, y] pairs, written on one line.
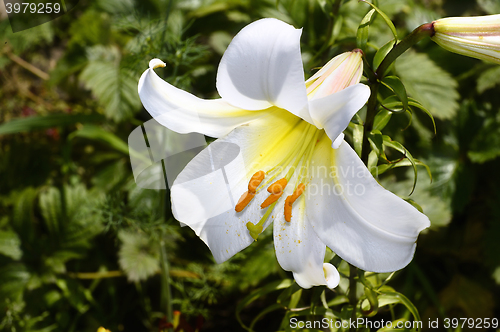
{"points": [[301, 153]]}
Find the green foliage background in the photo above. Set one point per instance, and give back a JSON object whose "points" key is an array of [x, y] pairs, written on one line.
{"points": [[81, 246]]}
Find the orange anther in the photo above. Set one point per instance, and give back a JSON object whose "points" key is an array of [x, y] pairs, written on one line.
{"points": [[300, 189], [270, 200], [278, 186], [255, 181], [288, 209], [244, 200], [291, 199]]}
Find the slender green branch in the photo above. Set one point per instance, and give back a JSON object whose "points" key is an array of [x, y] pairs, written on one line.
{"points": [[165, 283], [425, 30], [353, 272], [166, 298]]}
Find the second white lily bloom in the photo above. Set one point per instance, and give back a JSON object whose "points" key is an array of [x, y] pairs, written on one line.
{"points": [[276, 132]]}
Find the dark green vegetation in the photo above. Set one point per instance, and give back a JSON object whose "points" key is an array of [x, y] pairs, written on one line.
{"points": [[81, 246]]}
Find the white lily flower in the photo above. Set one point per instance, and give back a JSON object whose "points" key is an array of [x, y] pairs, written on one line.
{"points": [[276, 132]]}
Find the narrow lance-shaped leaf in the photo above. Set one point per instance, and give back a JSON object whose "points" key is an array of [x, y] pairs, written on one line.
{"points": [[277, 285], [28, 124], [403, 163], [386, 19], [399, 147], [364, 26], [381, 119], [381, 53], [395, 84]]}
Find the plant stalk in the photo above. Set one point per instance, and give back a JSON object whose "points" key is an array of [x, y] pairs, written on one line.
{"points": [[166, 299], [353, 272], [423, 31]]}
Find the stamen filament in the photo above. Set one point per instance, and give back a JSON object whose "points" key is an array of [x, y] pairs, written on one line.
{"points": [[256, 229]]}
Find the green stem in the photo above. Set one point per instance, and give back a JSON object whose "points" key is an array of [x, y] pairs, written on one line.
{"points": [[353, 272], [425, 30], [165, 282], [166, 299]]}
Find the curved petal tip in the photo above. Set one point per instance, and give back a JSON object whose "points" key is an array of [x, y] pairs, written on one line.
{"points": [[156, 63], [332, 276]]}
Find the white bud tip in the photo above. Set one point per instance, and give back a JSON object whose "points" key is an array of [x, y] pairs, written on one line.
{"points": [[156, 63], [332, 276]]}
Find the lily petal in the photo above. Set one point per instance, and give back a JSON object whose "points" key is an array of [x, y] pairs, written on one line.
{"points": [[205, 193], [298, 249], [183, 112], [334, 112], [262, 67], [358, 219]]}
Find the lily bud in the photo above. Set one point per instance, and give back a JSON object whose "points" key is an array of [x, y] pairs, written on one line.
{"points": [[477, 37], [339, 73]]}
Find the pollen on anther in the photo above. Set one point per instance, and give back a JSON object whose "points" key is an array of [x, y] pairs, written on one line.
{"points": [[255, 181], [270, 200], [278, 186], [244, 200], [291, 199]]}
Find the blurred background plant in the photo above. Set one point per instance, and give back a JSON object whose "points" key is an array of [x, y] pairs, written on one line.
{"points": [[81, 246]]}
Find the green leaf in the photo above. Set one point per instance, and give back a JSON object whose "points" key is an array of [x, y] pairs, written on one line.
{"points": [[98, 134], [381, 119], [403, 163], [10, 245], [364, 26], [271, 287], [372, 308], [23, 214], [138, 257], [114, 87], [13, 280], [376, 142], [428, 83], [414, 103], [271, 308], [415, 204], [395, 106], [400, 298], [381, 53], [357, 137], [485, 146], [28, 124], [489, 6], [395, 84], [399, 147], [488, 79], [51, 208], [386, 19], [372, 162]]}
